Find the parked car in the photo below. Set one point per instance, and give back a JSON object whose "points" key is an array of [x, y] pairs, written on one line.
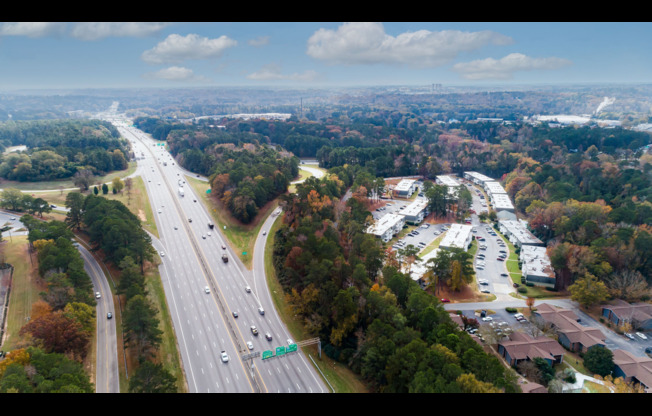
{"points": [[628, 335], [444, 300], [641, 335]]}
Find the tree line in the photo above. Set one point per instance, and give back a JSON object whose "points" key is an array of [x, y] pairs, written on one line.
{"points": [[58, 149]]}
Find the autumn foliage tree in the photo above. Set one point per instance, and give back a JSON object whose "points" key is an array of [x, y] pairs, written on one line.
{"points": [[58, 333]]}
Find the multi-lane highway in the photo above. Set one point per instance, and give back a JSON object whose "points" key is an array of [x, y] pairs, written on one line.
{"points": [[204, 320]]}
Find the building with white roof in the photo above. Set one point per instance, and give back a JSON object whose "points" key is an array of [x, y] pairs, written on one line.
{"points": [[387, 226], [457, 236], [415, 212], [493, 187], [518, 233], [501, 202], [536, 266], [452, 184], [405, 188], [477, 178]]}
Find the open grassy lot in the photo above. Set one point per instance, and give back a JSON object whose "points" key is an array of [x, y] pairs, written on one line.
{"points": [[25, 288]]}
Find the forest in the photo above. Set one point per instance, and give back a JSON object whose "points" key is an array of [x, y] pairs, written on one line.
{"points": [[58, 149]]}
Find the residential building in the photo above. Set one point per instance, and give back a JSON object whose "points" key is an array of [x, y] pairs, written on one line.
{"points": [[405, 188], [522, 347], [638, 314], [501, 202], [477, 178], [457, 236], [452, 184], [536, 266], [632, 368], [518, 233], [387, 226], [570, 333], [415, 212]]}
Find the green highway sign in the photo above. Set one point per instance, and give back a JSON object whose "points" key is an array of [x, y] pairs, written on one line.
{"points": [[292, 348], [280, 351], [267, 354], [244, 253]]}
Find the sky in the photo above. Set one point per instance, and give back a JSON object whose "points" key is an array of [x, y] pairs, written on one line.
{"points": [[59, 55]]}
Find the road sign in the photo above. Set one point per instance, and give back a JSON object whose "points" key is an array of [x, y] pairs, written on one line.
{"points": [[244, 253], [280, 351], [292, 348], [268, 354]]}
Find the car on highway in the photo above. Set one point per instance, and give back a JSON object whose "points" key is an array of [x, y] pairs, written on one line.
{"points": [[485, 291], [159, 211], [504, 275], [223, 247], [235, 314], [97, 295], [247, 289], [109, 315], [250, 345], [500, 258], [176, 228], [189, 219], [207, 289], [261, 311], [203, 236], [264, 232], [641, 335], [254, 330], [162, 254], [268, 336], [224, 356]]}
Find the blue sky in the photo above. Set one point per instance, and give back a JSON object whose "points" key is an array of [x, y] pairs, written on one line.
{"points": [[306, 55]]}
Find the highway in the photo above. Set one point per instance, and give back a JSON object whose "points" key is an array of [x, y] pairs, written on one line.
{"points": [[204, 322]]}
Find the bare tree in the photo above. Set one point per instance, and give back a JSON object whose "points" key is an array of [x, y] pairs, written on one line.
{"points": [[629, 285], [129, 183]]}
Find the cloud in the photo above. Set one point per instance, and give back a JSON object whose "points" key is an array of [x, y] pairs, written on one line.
{"points": [[99, 30], [176, 48], [272, 72], [367, 43], [32, 29], [259, 41], [504, 68], [175, 73]]}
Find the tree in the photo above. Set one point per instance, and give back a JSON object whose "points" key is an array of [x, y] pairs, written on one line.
{"points": [[58, 333], [588, 291], [469, 384], [599, 360], [11, 198], [96, 191], [118, 185], [629, 285], [141, 326], [83, 179], [152, 378], [105, 188], [129, 184], [75, 205]]}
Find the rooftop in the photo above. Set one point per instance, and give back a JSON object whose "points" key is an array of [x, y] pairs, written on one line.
{"points": [[494, 187], [536, 261], [479, 176], [382, 225], [404, 184], [448, 180], [518, 229], [502, 201], [415, 208], [456, 236]]}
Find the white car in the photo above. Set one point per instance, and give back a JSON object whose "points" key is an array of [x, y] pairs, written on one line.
{"points": [[250, 345], [290, 341], [207, 289], [641, 335], [162, 254], [487, 319], [224, 356], [97, 295], [628, 335]]}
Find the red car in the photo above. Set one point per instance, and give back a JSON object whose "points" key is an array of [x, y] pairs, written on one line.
{"points": [[445, 300], [500, 258]]}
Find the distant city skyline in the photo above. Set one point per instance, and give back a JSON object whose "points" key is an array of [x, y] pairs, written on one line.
{"points": [[81, 55]]}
